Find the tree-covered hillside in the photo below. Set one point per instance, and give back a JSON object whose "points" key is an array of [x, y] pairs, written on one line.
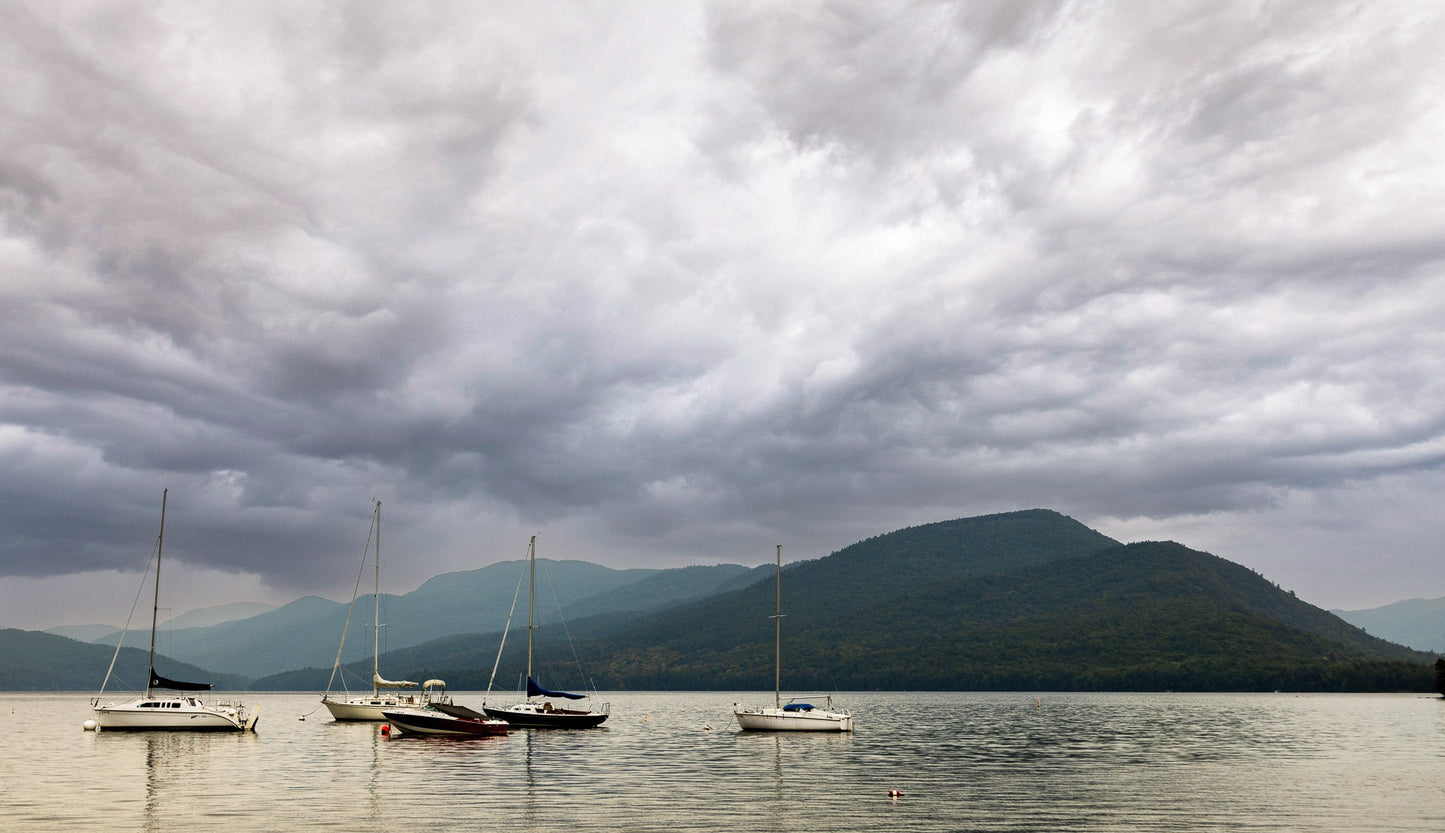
{"points": [[1022, 600], [1147, 616], [37, 661]]}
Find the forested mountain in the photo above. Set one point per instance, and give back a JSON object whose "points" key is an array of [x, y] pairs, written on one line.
{"points": [[38, 661], [1146, 616], [666, 588], [1022, 600]]}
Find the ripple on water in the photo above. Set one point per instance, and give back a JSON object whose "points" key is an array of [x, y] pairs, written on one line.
{"points": [[985, 762]]}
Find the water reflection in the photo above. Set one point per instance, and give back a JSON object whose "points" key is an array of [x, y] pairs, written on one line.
{"points": [[179, 766], [986, 762], [529, 783]]}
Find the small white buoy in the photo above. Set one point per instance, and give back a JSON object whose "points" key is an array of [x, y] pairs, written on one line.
{"points": [[707, 727], [302, 717], [88, 725]]}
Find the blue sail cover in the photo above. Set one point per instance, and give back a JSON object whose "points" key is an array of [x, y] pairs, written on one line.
{"points": [[534, 690], [798, 707]]}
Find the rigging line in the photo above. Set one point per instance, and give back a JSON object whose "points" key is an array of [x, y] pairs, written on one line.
{"points": [[565, 632], [123, 631], [357, 589], [505, 629]]}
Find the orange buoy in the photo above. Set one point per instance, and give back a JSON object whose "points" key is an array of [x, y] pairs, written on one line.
{"points": [[386, 729]]}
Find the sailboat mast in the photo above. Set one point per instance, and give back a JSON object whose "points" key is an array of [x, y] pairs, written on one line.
{"points": [[778, 636], [376, 605], [531, 598], [156, 605]]}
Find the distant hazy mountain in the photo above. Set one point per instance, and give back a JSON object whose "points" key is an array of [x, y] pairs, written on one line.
{"points": [[200, 617], [207, 616], [1419, 623], [308, 631], [84, 633]]}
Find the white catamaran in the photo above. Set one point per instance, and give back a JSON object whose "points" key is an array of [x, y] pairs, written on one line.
{"points": [[796, 715], [175, 712], [372, 706]]}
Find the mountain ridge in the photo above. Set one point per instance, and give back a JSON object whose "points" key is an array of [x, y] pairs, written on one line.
{"points": [[1419, 623], [1028, 599], [309, 631], [1069, 615]]}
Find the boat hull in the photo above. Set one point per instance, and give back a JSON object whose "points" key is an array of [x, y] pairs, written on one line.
{"points": [[430, 722], [172, 714], [777, 720], [368, 708], [534, 716]]}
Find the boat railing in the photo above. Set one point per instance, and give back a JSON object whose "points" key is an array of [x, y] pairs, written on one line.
{"points": [[827, 700]]}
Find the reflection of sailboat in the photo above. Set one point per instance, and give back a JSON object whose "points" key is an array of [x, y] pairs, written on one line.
{"points": [[172, 712], [793, 716], [364, 707], [542, 714]]}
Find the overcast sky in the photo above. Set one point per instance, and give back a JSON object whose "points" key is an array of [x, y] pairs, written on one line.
{"points": [[669, 283]]}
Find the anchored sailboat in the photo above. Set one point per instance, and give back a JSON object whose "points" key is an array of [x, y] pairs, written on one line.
{"points": [[795, 715], [541, 713], [175, 711], [373, 706]]}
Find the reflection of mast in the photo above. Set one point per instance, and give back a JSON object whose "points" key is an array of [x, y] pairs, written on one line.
{"points": [[153, 795], [374, 783], [530, 790], [779, 793]]}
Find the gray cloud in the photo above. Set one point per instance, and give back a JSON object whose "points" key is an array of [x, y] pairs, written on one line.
{"points": [[670, 283]]}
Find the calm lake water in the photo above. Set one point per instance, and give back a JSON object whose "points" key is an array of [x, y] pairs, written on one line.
{"points": [[963, 761]]}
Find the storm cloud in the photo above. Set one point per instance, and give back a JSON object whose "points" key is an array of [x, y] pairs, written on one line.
{"points": [[669, 283]]}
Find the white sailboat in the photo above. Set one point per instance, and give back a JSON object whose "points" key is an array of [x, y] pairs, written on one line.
{"points": [[176, 712], [796, 715], [538, 711], [384, 695]]}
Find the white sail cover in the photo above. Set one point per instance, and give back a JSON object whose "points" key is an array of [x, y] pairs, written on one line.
{"points": [[381, 682]]}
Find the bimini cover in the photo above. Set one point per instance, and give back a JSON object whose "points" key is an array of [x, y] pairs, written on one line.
{"points": [[381, 682], [157, 681], [798, 707], [534, 690]]}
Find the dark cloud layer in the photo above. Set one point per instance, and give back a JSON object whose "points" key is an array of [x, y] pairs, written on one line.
{"points": [[670, 283]]}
